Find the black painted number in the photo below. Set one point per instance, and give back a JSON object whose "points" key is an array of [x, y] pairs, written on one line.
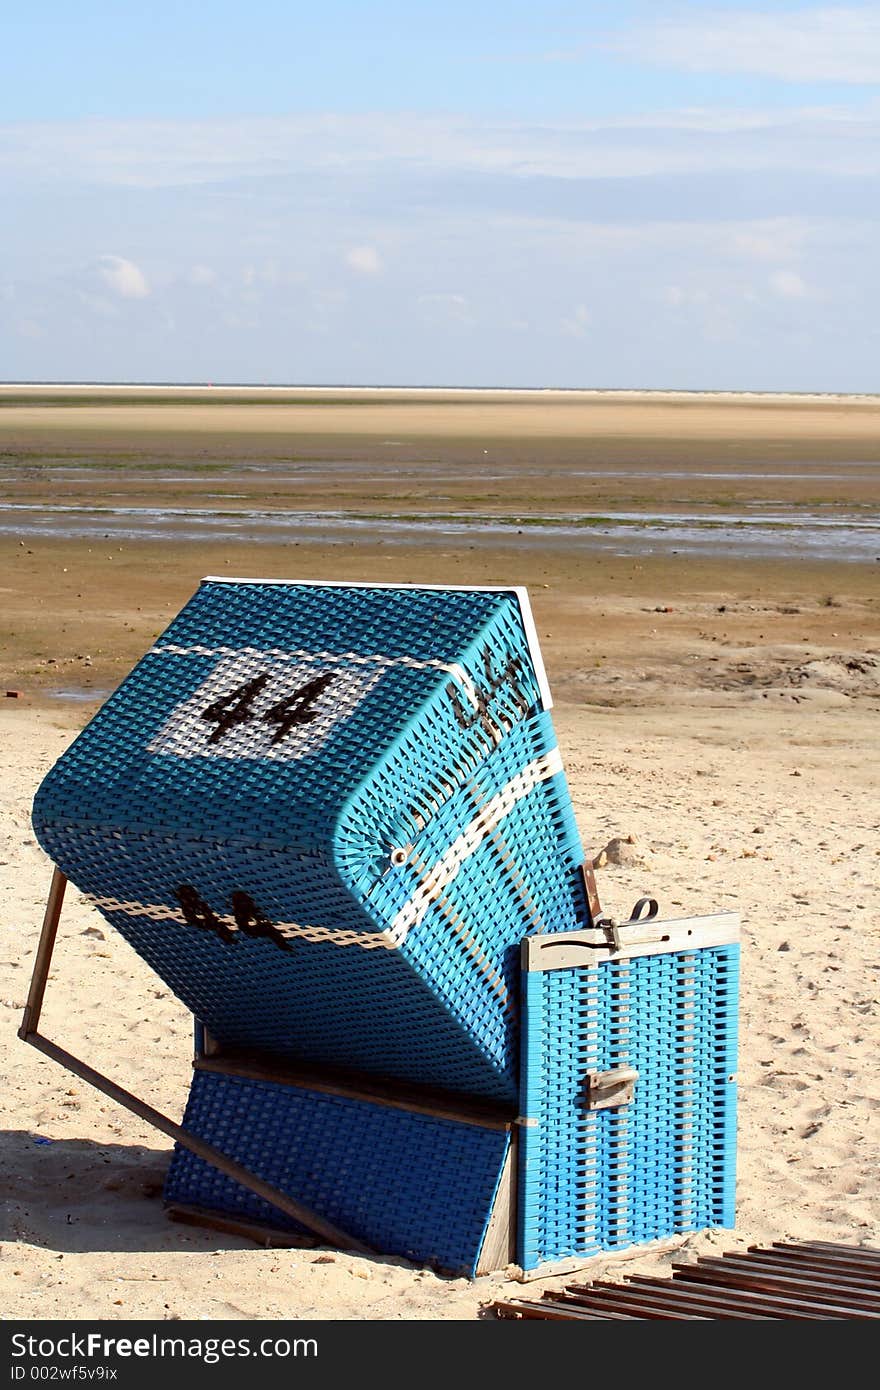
{"points": [[249, 919], [197, 912], [234, 708], [507, 680], [237, 707], [296, 708]]}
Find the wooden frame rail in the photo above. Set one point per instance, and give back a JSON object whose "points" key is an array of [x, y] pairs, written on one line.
{"points": [[28, 1032]]}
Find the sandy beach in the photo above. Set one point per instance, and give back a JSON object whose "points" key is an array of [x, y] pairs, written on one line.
{"points": [[718, 706]]}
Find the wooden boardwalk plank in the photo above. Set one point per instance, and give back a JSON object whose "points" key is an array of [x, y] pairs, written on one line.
{"points": [[659, 1295], [739, 1302], [624, 1299], [810, 1268], [745, 1277], [800, 1281], [859, 1255], [525, 1308]]}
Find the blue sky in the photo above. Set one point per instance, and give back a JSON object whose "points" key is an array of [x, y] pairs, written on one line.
{"points": [[628, 195]]}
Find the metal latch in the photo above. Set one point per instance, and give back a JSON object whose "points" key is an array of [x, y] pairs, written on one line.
{"points": [[611, 929], [609, 1088], [645, 910]]}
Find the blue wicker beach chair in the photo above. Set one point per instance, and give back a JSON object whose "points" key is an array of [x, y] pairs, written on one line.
{"points": [[334, 820]]}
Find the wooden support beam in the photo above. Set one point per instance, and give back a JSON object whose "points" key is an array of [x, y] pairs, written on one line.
{"points": [[304, 1215]]}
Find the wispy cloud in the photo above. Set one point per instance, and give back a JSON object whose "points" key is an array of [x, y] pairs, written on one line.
{"points": [[364, 259], [674, 248], [444, 307], [772, 240], [202, 275], [824, 44], [123, 277], [577, 323], [788, 284], [265, 151], [28, 328]]}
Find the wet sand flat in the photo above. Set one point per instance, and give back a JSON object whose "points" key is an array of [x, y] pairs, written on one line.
{"points": [[535, 450], [77, 616], [610, 600]]}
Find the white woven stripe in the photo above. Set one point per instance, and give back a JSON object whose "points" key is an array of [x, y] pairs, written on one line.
{"points": [[431, 888], [353, 658], [469, 841], [158, 912]]}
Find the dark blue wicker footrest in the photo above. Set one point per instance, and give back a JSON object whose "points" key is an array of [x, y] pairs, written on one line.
{"points": [[405, 1183]]}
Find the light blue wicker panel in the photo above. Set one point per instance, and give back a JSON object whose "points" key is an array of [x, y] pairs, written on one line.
{"points": [[406, 1184], [258, 876], [595, 1180]]}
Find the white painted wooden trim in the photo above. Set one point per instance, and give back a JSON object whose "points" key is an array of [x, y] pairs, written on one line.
{"points": [[567, 950], [520, 592]]}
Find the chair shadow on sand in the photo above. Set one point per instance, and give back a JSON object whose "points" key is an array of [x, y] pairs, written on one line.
{"points": [[82, 1195], [78, 1196]]}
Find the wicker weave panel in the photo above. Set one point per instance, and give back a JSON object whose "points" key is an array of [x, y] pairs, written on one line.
{"points": [[594, 1180], [348, 887], [407, 1184]]}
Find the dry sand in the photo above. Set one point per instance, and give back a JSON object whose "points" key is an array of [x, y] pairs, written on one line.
{"points": [[723, 714]]}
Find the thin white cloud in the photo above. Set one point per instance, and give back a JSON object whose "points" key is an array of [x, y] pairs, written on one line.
{"points": [[364, 259], [578, 323], [202, 275], [450, 299], [443, 306], [144, 154], [683, 296], [98, 304], [815, 44], [788, 284], [123, 277], [773, 239], [673, 231], [717, 239]]}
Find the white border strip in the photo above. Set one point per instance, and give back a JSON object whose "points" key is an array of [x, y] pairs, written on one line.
{"points": [[520, 592]]}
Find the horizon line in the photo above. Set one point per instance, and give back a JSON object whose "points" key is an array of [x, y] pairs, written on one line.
{"points": [[371, 388]]}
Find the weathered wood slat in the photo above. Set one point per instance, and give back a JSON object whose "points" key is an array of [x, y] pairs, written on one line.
{"points": [[657, 1294], [626, 1299], [525, 1308], [248, 1230], [744, 1276], [357, 1086], [499, 1242], [839, 1254], [802, 1281], [735, 1302], [843, 1276], [808, 1259], [871, 1251]]}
